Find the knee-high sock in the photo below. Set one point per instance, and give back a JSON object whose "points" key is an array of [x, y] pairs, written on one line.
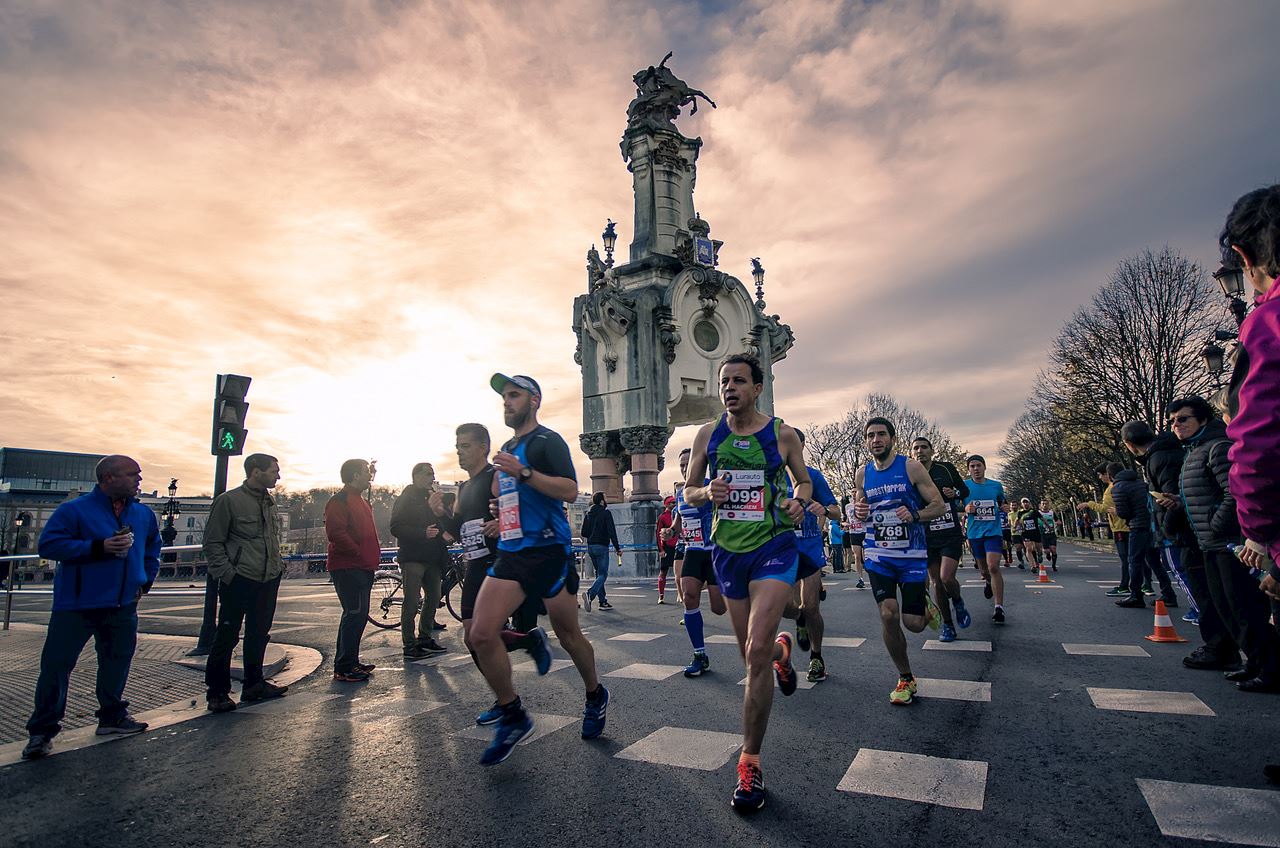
{"points": [[693, 626], [662, 583], [515, 640]]}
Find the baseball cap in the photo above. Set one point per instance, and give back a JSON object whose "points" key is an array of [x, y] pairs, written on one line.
{"points": [[498, 382], [668, 500]]}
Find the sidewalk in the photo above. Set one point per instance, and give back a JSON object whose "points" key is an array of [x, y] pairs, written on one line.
{"points": [[161, 675]]}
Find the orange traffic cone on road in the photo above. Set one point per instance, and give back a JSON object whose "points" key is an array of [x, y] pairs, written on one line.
{"points": [[1164, 631], [1044, 575]]}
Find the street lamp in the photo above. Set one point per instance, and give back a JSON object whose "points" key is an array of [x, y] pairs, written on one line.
{"points": [[757, 274], [609, 238], [20, 521], [1231, 281], [169, 534], [1214, 360]]}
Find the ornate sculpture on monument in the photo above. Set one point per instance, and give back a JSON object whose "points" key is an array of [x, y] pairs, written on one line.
{"points": [[651, 332]]}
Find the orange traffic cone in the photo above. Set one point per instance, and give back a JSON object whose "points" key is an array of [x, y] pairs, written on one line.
{"points": [[1164, 631], [1044, 575]]}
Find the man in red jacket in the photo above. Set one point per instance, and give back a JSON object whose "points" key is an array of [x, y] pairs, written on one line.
{"points": [[354, 554]]}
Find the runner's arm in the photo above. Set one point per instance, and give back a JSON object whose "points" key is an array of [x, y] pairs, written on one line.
{"points": [[698, 495], [553, 474], [934, 505], [793, 455]]}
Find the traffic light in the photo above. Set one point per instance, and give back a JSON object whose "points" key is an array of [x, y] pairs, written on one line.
{"points": [[229, 411]]}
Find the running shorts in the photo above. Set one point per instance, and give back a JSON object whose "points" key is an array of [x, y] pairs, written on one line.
{"points": [[886, 588], [776, 559], [543, 572], [1050, 540], [667, 558], [697, 564], [477, 571], [954, 550], [986, 545]]}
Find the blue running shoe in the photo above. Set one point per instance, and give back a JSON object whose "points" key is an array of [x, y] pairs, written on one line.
{"points": [[1192, 617], [700, 664], [948, 633], [748, 795], [540, 650], [511, 730], [962, 615], [593, 715], [489, 716]]}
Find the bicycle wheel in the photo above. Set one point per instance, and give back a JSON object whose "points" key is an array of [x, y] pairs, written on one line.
{"points": [[385, 600], [453, 595]]}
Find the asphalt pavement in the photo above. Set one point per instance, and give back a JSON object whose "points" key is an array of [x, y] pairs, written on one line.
{"points": [[1022, 744]]}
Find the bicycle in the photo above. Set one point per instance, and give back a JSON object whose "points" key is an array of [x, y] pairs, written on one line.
{"points": [[387, 596]]}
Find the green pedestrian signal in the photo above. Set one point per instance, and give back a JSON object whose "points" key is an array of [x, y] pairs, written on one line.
{"points": [[229, 411], [228, 442]]}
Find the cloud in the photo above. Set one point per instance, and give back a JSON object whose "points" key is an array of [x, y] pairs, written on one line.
{"points": [[371, 207]]}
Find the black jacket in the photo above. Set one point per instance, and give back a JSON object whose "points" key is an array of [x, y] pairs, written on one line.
{"points": [[410, 518], [1131, 499], [598, 527], [1162, 463], [1205, 492]]}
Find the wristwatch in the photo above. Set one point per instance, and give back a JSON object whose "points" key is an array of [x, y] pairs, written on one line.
{"points": [[525, 474]]}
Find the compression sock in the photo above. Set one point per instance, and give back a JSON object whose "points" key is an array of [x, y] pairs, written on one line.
{"points": [[596, 696], [514, 708], [753, 759], [662, 584], [800, 618], [516, 641], [907, 677], [693, 626]]}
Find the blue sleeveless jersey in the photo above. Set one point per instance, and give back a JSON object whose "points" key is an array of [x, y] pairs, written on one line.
{"points": [[695, 522], [528, 518], [890, 540], [809, 533]]}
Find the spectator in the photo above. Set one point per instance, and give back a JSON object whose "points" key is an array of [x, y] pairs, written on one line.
{"points": [[1119, 527], [836, 543], [1133, 504], [416, 523], [599, 531], [667, 540], [103, 569], [242, 545], [1211, 511], [354, 555]]}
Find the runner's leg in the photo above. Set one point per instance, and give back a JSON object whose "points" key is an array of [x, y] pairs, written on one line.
{"points": [[563, 612]]}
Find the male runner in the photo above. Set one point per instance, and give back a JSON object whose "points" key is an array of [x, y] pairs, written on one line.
{"points": [[755, 556], [667, 539], [856, 534], [693, 525], [945, 539], [1050, 533], [984, 506], [475, 527], [535, 480], [806, 599], [1006, 534], [1031, 523], [895, 497], [1013, 532]]}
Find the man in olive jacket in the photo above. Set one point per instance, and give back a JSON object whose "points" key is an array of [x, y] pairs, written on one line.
{"points": [[242, 545]]}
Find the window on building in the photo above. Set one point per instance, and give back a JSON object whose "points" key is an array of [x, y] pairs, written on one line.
{"points": [[191, 522], [191, 540]]}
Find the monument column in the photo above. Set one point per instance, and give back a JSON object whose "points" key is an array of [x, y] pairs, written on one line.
{"points": [[605, 452], [644, 443]]}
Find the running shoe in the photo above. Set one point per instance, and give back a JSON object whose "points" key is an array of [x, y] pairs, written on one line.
{"points": [[935, 614], [511, 730], [1192, 617], [586, 601], [962, 613], [1117, 592], [593, 715], [123, 726], [822, 593], [1148, 590], [749, 794], [817, 670], [353, 676], [785, 672], [700, 664], [802, 637], [367, 668], [997, 617], [38, 745], [661, 600], [490, 716], [605, 605], [948, 633], [860, 584], [903, 693], [540, 650], [986, 591]]}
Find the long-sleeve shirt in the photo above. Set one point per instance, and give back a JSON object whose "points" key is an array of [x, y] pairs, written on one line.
{"points": [[353, 537], [1106, 507]]}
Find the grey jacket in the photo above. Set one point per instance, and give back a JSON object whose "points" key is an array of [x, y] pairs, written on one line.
{"points": [[1205, 492], [242, 536]]}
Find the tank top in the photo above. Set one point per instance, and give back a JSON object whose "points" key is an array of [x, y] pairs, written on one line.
{"points": [[1050, 527], [752, 466], [890, 538], [526, 517], [695, 523]]}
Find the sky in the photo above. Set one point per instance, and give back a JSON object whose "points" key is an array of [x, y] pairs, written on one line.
{"points": [[371, 207]]}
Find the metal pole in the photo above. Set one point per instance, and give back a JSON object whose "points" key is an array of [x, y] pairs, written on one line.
{"points": [[8, 595], [209, 625]]}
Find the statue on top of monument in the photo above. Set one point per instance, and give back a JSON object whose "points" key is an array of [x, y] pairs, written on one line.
{"points": [[659, 96]]}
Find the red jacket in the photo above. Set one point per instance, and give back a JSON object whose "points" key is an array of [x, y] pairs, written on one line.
{"points": [[665, 520], [353, 537]]}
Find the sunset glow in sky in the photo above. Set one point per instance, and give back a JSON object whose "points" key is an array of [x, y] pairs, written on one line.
{"points": [[370, 207]]}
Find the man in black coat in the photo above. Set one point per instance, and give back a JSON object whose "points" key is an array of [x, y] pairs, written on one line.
{"points": [[1133, 504], [416, 523]]}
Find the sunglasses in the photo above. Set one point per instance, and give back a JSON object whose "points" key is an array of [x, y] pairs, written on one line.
{"points": [[1180, 419]]}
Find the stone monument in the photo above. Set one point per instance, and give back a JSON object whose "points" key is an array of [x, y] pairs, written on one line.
{"points": [[651, 332]]}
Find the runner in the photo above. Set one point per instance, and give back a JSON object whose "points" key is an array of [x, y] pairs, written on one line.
{"points": [[984, 506], [472, 522], [806, 599], [535, 480], [693, 525], [1007, 535], [898, 497], [755, 556], [1050, 533], [945, 539], [666, 539], [1013, 533], [855, 535], [1031, 523]]}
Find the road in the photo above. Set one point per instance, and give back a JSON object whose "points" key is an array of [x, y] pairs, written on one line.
{"points": [[1005, 747]]}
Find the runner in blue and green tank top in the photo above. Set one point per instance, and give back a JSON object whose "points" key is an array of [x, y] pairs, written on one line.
{"points": [[748, 454], [896, 498]]}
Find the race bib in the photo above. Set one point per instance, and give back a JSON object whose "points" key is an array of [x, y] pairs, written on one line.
{"points": [[1029, 525], [855, 525], [691, 532], [509, 510], [890, 530], [473, 544], [946, 521], [746, 496], [984, 510]]}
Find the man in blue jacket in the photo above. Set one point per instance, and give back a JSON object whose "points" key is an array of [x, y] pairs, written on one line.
{"points": [[108, 550]]}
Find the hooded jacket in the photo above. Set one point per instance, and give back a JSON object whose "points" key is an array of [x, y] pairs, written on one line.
{"points": [[598, 527], [1133, 504], [88, 577], [1205, 488], [1163, 466], [1255, 428]]}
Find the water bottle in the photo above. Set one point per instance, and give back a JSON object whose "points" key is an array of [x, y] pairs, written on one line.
{"points": [[1255, 573]]}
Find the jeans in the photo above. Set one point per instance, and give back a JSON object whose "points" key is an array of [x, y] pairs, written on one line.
{"points": [[1121, 540], [115, 636], [837, 558], [1246, 612], [421, 584], [353, 586], [252, 603], [1144, 562], [600, 560]]}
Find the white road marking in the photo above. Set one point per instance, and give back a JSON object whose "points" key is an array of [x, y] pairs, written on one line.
{"points": [[958, 645], [955, 690], [1082, 650], [646, 671], [683, 747], [961, 784], [1149, 701], [1214, 813]]}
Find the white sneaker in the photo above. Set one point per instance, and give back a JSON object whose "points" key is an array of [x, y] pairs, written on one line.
{"points": [[586, 601]]}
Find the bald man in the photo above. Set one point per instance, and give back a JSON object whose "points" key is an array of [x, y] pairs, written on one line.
{"points": [[107, 546]]}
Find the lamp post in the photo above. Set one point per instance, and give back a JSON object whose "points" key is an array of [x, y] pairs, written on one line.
{"points": [[1214, 359], [609, 238], [1231, 281], [171, 511], [757, 274]]}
